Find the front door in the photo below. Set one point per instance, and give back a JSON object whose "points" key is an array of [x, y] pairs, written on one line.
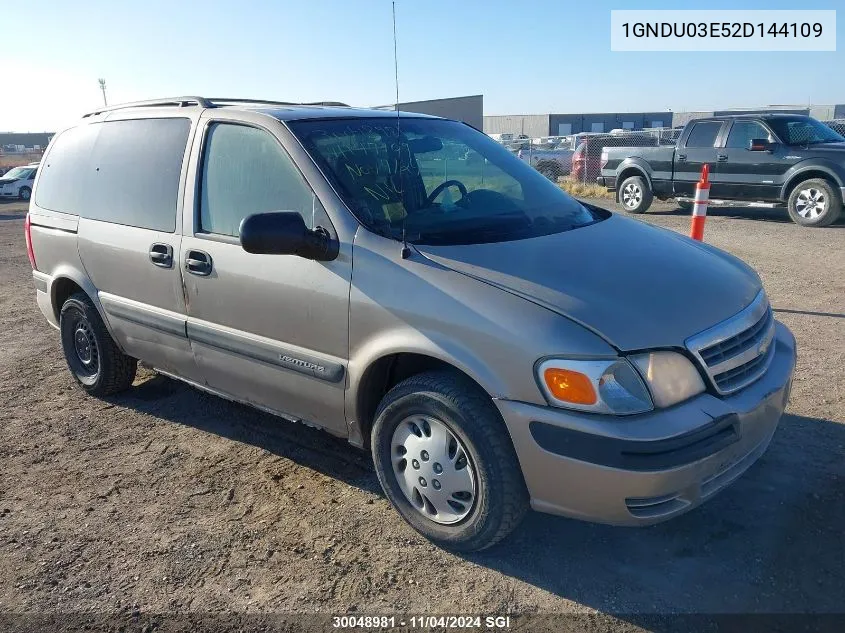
{"points": [[696, 149], [271, 330], [748, 175]]}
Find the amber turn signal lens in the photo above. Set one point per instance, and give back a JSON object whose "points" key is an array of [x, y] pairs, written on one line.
{"points": [[570, 386]]}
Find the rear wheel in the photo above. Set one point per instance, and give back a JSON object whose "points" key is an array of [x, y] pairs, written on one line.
{"points": [[446, 462], [815, 203], [635, 195], [92, 356]]}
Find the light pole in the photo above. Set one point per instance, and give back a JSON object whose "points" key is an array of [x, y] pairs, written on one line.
{"points": [[102, 83]]}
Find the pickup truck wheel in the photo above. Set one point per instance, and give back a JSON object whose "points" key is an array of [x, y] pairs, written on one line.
{"points": [[94, 359], [815, 203], [635, 195], [446, 462]]}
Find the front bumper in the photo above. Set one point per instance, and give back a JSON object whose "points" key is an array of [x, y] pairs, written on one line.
{"points": [[642, 469]]}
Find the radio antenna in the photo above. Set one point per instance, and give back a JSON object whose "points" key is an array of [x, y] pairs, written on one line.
{"points": [[406, 251]]}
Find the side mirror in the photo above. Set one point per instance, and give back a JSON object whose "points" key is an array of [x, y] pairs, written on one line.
{"points": [[285, 233], [759, 145]]}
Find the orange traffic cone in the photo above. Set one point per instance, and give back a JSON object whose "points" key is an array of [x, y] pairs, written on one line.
{"points": [[699, 207]]}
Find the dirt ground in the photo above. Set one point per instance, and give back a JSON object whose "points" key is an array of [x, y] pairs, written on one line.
{"points": [[168, 500]]}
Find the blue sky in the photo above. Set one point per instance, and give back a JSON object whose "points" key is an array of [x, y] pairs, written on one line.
{"points": [[531, 56]]}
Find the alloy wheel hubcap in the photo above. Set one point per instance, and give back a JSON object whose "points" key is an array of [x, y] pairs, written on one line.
{"points": [[433, 469], [631, 195], [811, 203]]}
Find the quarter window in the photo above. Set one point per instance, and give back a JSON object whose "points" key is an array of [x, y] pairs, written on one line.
{"points": [[704, 134], [246, 171]]}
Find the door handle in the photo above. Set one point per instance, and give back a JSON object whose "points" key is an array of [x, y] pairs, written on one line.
{"points": [[722, 157], [198, 263], [161, 255], [681, 157]]}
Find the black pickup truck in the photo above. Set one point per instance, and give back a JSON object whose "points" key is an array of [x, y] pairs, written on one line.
{"points": [[755, 160]]}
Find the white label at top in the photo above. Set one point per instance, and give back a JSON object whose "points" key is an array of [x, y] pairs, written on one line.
{"points": [[723, 30]]}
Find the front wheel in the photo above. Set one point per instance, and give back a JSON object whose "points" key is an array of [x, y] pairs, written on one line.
{"points": [[814, 203], [24, 193], [635, 195], [446, 462]]}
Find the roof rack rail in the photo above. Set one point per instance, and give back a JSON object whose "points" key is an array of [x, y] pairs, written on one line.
{"points": [[205, 102], [339, 104], [216, 100], [173, 101]]}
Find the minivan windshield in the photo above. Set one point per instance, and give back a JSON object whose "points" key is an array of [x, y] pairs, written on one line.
{"points": [[437, 181], [803, 131]]}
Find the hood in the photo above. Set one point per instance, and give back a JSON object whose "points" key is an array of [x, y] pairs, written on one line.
{"points": [[7, 181], [636, 285], [835, 147]]}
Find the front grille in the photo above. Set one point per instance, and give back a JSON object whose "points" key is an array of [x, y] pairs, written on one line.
{"points": [[737, 352]]}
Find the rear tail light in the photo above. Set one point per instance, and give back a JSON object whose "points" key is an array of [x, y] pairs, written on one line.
{"points": [[603, 159], [28, 234]]}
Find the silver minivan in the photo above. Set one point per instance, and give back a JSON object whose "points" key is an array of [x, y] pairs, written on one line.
{"points": [[406, 283]]}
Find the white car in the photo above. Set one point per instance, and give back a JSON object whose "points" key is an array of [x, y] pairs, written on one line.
{"points": [[17, 182]]}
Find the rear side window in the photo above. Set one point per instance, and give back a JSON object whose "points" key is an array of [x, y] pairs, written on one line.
{"points": [[704, 134], [125, 172], [135, 172], [246, 171]]}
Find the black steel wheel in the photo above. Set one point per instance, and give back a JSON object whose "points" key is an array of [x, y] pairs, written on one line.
{"points": [[94, 359]]}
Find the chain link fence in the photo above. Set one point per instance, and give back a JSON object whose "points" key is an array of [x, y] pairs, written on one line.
{"points": [[576, 158], [837, 125]]}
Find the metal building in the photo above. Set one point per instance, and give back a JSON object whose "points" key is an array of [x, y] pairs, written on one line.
{"points": [[563, 124], [23, 141], [469, 109]]}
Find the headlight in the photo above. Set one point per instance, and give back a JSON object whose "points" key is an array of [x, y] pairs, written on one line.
{"points": [[671, 377], [599, 386]]}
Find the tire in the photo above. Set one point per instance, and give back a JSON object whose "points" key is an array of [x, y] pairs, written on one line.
{"points": [[684, 204], [814, 203], [24, 193], [635, 196], [94, 359], [550, 169], [491, 498]]}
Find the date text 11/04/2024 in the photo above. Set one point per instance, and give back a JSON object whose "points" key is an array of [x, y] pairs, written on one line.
{"points": [[422, 621]]}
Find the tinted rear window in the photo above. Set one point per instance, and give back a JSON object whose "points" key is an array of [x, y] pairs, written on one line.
{"points": [[64, 169], [126, 172]]}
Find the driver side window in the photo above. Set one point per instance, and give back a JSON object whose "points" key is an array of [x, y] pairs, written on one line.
{"points": [[743, 132]]}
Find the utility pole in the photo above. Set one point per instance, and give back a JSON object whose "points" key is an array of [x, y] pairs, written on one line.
{"points": [[102, 83]]}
